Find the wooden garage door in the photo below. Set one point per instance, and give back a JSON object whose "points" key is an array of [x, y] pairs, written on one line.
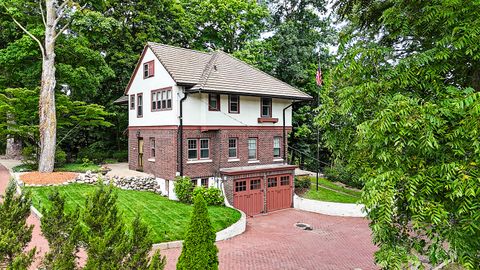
{"points": [[279, 192], [248, 196]]}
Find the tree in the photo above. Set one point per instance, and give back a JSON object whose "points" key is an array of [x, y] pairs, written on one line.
{"points": [[109, 244], [199, 250], [15, 234], [62, 231], [401, 109]]}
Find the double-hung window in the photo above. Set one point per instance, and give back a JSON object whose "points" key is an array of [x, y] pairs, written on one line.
{"points": [[148, 69], [232, 147], [139, 105], [162, 99], [233, 104], [152, 147], [213, 102], [132, 102], [276, 147], [266, 108], [198, 149], [252, 148]]}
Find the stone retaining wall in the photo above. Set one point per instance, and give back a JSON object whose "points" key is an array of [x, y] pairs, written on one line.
{"points": [[329, 208]]}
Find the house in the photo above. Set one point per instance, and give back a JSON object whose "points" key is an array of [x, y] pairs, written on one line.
{"points": [[212, 117]]}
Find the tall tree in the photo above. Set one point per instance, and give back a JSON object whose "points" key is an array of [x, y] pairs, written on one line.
{"points": [[402, 109]]}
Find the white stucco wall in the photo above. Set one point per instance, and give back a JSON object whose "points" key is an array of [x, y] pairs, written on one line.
{"points": [[196, 112], [161, 79]]}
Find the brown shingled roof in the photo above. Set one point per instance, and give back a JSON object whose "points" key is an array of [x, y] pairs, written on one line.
{"points": [[220, 72]]}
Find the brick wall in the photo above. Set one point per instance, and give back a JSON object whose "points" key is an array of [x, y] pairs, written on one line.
{"points": [[165, 165]]}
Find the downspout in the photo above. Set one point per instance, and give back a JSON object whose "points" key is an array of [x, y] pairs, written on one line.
{"points": [[285, 135], [181, 132]]}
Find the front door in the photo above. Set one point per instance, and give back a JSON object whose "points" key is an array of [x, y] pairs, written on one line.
{"points": [[279, 192], [140, 154], [248, 195]]}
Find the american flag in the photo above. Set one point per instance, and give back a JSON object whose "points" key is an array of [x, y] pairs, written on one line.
{"points": [[319, 76]]}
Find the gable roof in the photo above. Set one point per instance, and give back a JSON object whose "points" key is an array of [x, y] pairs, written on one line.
{"points": [[219, 72]]}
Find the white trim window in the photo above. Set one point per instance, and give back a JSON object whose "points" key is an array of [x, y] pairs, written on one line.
{"points": [[192, 149], [276, 147], [232, 147], [198, 149], [252, 148], [152, 147], [204, 148]]}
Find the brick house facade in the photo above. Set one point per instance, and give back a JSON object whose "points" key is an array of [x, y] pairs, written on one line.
{"points": [[215, 119]]}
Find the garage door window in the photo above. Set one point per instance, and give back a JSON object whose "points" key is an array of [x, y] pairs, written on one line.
{"points": [[255, 184], [272, 182], [284, 180], [240, 186]]}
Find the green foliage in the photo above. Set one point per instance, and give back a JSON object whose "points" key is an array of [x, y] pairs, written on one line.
{"points": [[23, 168], [339, 173], [183, 188], [76, 167], [212, 195], [120, 156], [15, 234], [302, 182], [401, 108], [199, 250], [62, 231], [104, 234], [60, 157], [150, 206], [95, 152]]}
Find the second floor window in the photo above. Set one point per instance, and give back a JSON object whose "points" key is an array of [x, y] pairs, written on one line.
{"points": [[139, 105], [132, 102], [232, 148], [161, 100], [276, 147], [266, 107], [152, 147], [213, 102], [148, 69], [252, 148], [198, 148], [233, 104]]}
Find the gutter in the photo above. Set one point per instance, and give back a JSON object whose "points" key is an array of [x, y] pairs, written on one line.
{"points": [[181, 132]]}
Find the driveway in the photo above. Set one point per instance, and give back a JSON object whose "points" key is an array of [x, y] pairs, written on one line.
{"points": [[273, 242]]}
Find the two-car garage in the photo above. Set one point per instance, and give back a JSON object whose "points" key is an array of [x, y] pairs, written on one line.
{"points": [[261, 189]]}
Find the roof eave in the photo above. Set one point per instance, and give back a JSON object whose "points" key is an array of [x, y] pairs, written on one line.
{"points": [[243, 93]]}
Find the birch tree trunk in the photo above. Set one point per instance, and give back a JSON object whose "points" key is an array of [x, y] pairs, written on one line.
{"points": [[46, 102]]}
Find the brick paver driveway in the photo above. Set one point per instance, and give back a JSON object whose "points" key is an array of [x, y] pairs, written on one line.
{"points": [[273, 242]]}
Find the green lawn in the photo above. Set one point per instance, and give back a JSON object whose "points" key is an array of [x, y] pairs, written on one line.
{"points": [[167, 219], [331, 195], [69, 167]]}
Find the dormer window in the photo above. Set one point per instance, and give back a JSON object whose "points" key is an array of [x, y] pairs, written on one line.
{"points": [[213, 102], [266, 108], [148, 69]]}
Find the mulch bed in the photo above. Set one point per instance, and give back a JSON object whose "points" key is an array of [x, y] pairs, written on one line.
{"points": [[39, 178]]}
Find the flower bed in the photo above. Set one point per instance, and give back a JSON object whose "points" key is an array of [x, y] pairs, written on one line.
{"points": [[38, 178]]}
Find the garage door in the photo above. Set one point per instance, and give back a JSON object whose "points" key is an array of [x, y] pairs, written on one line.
{"points": [[248, 196], [279, 192]]}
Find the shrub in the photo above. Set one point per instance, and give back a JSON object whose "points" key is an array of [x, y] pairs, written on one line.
{"points": [[60, 157], [340, 173], [302, 182], [121, 156], [199, 250], [96, 152], [183, 188], [212, 195], [30, 156]]}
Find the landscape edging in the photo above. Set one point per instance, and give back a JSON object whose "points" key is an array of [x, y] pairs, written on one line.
{"points": [[329, 208]]}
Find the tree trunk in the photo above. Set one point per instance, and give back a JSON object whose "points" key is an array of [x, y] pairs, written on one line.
{"points": [[46, 102], [13, 149]]}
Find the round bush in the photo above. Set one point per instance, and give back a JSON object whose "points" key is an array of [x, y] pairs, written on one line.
{"points": [[183, 188], [212, 195]]}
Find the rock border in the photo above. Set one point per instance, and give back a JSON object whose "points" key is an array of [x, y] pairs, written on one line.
{"points": [[329, 208]]}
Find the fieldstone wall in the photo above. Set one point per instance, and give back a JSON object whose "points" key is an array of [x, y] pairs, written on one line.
{"points": [[148, 183]]}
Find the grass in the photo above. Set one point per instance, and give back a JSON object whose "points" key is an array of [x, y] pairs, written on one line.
{"points": [[330, 192], [167, 219], [69, 167], [78, 167]]}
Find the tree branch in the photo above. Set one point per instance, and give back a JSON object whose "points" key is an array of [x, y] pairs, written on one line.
{"points": [[31, 35], [41, 12], [67, 24], [60, 12]]}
